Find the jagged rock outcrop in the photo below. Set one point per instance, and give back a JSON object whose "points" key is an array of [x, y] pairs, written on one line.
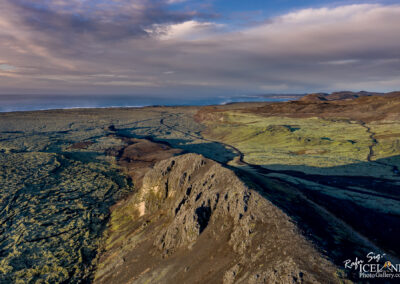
{"points": [[194, 221]]}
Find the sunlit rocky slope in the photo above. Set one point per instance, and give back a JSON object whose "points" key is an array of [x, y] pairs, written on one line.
{"points": [[193, 221]]}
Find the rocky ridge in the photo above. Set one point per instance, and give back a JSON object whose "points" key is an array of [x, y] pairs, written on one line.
{"points": [[194, 221]]}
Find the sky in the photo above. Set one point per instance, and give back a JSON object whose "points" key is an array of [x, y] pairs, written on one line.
{"points": [[176, 48]]}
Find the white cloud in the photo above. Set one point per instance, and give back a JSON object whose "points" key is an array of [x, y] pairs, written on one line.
{"points": [[340, 62], [327, 31], [188, 30]]}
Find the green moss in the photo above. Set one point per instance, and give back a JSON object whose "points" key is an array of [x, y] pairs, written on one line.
{"points": [[292, 141], [54, 214], [387, 135], [123, 215]]}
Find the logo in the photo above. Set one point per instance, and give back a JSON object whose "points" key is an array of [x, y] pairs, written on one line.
{"points": [[374, 265]]}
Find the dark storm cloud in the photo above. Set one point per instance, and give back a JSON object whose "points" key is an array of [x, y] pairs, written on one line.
{"points": [[114, 20]]}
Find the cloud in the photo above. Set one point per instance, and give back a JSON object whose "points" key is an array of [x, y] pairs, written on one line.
{"points": [[103, 20], [127, 83], [175, 1], [188, 30], [122, 46], [7, 67], [328, 32], [340, 62]]}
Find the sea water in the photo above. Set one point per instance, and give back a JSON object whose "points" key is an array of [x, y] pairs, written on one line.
{"points": [[9, 103]]}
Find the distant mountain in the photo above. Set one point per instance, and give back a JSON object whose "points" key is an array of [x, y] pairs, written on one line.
{"points": [[335, 96]]}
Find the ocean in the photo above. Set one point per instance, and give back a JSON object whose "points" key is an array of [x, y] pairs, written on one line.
{"points": [[9, 103]]}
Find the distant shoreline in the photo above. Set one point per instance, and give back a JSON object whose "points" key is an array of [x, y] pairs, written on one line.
{"points": [[21, 103], [27, 108], [130, 107]]}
